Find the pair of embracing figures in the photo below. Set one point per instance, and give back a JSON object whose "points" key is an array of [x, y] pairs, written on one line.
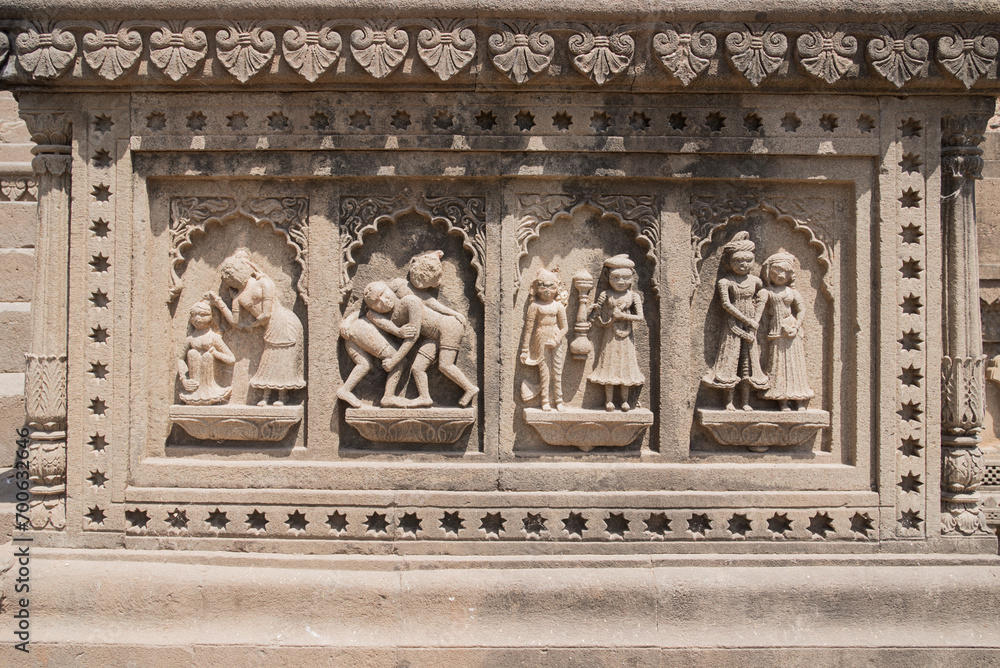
{"points": [[404, 310]]}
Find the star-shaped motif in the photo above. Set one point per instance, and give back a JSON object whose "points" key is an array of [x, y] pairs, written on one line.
{"points": [[99, 298], [156, 121], [177, 519], [678, 121], [575, 524], [910, 519], [911, 376], [337, 522], [319, 121], [911, 340], [910, 446], [828, 122], [297, 521], [443, 119], [910, 412], [136, 518], [753, 122], [101, 158], [486, 120], [98, 370], [409, 524], [99, 334], [820, 524], [616, 525], [103, 123], [98, 442], [657, 524], [699, 524], [778, 524], [910, 483], [98, 407], [100, 228], [911, 234], [217, 520], [101, 192], [359, 120], [639, 121], [861, 523], [95, 515], [911, 305], [601, 122], [452, 523], [236, 121], [910, 163], [739, 525], [911, 269], [278, 122], [911, 127], [376, 523], [99, 263], [910, 199], [790, 122], [400, 120], [534, 524], [715, 121], [257, 521], [524, 120], [562, 120], [196, 121], [866, 124], [492, 524]]}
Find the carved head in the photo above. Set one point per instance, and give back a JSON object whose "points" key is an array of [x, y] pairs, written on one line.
{"points": [[202, 315], [238, 269], [738, 253], [546, 285], [425, 270], [621, 271], [779, 269], [379, 297]]}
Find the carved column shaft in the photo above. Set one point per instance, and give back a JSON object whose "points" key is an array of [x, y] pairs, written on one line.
{"points": [[963, 390], [45, 373]]}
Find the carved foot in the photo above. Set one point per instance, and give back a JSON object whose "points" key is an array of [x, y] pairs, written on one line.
{"points": [[610, 407], [625, 407], [747, 407], [468, 397], [730, 406], [396, 402], [349, 397], [561, 407]]}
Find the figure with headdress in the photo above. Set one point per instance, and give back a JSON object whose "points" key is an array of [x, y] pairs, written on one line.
{"points": [[545, 329], [205, 349], [737, 363], [786, 355], [615, 313], [281, 364]]}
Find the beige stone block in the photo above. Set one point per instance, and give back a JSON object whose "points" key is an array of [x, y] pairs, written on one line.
{"points": [[18, 221], [17, 275], [11, 414], [15, 323], [15, 152]]}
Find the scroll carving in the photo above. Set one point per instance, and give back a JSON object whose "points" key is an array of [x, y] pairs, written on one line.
{"points": [[177, 51], [898, 55], [111, 54], [45, 55], [447, 51], [637, 213], [686, 52], [463, 216], [379, 50], [521, 56], [968, 53], [191, 215], [311, 49], [4, 47], [827, 52], [756, 52], [244, 50], [601, 57]]}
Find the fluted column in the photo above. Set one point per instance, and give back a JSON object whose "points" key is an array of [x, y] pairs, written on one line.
{"points": [[45, 373], [963, 390]]}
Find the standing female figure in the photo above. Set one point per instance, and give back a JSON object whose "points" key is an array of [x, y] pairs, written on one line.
{"points": [[618, 308], [786, 360], [281, 363], [545, 328], [738, 359]]}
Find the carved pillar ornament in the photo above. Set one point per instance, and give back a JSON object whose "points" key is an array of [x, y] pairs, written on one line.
{"points": [[45, 374], [962, 401]]}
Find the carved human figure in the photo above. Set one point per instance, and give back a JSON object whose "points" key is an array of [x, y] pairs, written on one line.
{"points": [[615, 313], [204, 350], [786, 356], [737, 363], [281, 363], [545, 328]]}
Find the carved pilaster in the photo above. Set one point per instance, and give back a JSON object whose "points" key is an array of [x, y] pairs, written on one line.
{"points": [[45, 377], [963, 389]]}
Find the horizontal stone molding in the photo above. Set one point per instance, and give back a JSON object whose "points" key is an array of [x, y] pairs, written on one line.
{"points": [[699, 55]]}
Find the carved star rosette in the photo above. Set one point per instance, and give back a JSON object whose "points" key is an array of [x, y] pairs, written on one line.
{"points": [[521, 55]]}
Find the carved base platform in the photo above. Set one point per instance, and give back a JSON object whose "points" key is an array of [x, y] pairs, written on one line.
{"points": [[236, 422], [586, 430], [760, 430], [433, 426]]}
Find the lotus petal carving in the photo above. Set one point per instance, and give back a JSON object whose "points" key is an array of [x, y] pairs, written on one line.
{"points": [[244, 51], [446, 52], [521, 56], [756, 52], [431, 426], [685, 54], [967, 55], [827, 52], [112, 54], [601, 57], [899, 57], [232, 422], [177, 53], [45, 55], [379, 51], [311, 52]]}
